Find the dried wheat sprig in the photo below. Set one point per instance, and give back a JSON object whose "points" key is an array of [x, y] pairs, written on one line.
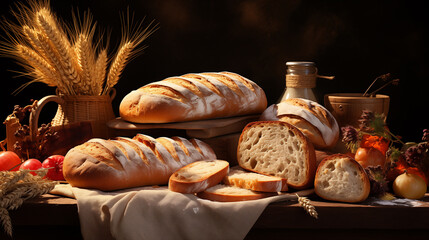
{"points": [[55, 60], [31, 36], [10, 180], [86, 63], [118, 65], [6, 222], [132, 36], [60, 44], [100, 70], [48, 73], [306, 204], [19, 186]]}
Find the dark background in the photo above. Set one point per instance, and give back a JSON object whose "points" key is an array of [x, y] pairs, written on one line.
{"points": [[356, 41]]}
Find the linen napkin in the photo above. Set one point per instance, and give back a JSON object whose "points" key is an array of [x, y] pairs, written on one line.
{"points": [[158, 213]]}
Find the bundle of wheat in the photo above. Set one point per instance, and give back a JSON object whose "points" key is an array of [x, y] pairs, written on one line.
{"points": [[67, 58]]}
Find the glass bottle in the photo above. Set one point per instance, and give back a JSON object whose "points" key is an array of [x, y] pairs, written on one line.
{"points": [[300, 80]]}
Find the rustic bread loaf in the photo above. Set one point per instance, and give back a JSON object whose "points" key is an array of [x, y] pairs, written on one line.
{"points": [[340, 178], [315, 121], [223, 193], [193, 97], [279, 149], [124, 162], [254, 181], [198, 176]]}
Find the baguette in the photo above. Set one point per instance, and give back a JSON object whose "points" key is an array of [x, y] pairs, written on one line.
{"points": [[279, 149], [254, 181], [193, 97], [198, 176], [223, 193], [124, 162], [341, 178]]}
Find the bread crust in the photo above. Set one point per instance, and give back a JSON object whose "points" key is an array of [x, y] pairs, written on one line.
{"points": [[177, 183], [110, 165], [318, 184], [307, 147], [193, 97], [315, 121]]}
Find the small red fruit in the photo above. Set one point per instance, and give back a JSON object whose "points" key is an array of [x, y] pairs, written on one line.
{"points": [[55, 165], [31, 164], [9, 160]]}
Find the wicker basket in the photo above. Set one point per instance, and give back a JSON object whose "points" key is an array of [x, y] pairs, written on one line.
{"points": [[82, 108]]}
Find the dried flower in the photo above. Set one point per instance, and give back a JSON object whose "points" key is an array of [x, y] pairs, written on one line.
{"points": [[425, 137], [365, 120]]}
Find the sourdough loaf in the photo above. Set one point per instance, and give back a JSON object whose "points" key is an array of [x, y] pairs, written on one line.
{"points": [[254, 181], [223, 193], [340, 178], [315, 121], [130, 162], [193, 97], [279, 149], [198, 176]]}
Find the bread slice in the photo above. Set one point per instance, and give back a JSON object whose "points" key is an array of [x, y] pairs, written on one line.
{"points": [[223, 193], [198, 176], [278, 149], [340, 178], [254, 181]]}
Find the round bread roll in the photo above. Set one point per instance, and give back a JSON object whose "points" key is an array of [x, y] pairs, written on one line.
{"points": [[340, 178], [314, 121]]}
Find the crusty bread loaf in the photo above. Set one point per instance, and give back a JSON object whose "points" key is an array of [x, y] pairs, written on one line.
{"points": [[124, 162], [315, 121], [198, 176], [340, 178], [254, 181], [279, 149], [223, 193], [193, 97]]}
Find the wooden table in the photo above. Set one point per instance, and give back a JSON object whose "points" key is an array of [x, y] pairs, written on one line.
{"points": [[54, 217]]}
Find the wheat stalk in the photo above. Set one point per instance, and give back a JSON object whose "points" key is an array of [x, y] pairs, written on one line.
{"points": [[59, 44], [68, 59], [86, 63], [118, 65], [6, 221], [100, 71], [16, 187], [47, 72], [306, 204]]}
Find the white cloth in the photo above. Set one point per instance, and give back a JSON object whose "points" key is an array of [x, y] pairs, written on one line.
{"points": [[158, 213]]}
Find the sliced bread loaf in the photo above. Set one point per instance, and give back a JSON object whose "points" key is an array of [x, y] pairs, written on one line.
{"points": [[278, 149], [340, 178], [223, 193], [198, 176], [254, 181]]}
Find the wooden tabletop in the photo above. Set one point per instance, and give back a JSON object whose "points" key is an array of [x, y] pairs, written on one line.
{"points": [[55, 217]]}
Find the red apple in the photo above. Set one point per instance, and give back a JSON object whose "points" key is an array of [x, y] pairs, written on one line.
{"points": [[55, 165], [9, 160], [31, 164]]}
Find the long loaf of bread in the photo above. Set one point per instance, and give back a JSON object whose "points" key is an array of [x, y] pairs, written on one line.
{"points": [[130, 162], [193, 97]]}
